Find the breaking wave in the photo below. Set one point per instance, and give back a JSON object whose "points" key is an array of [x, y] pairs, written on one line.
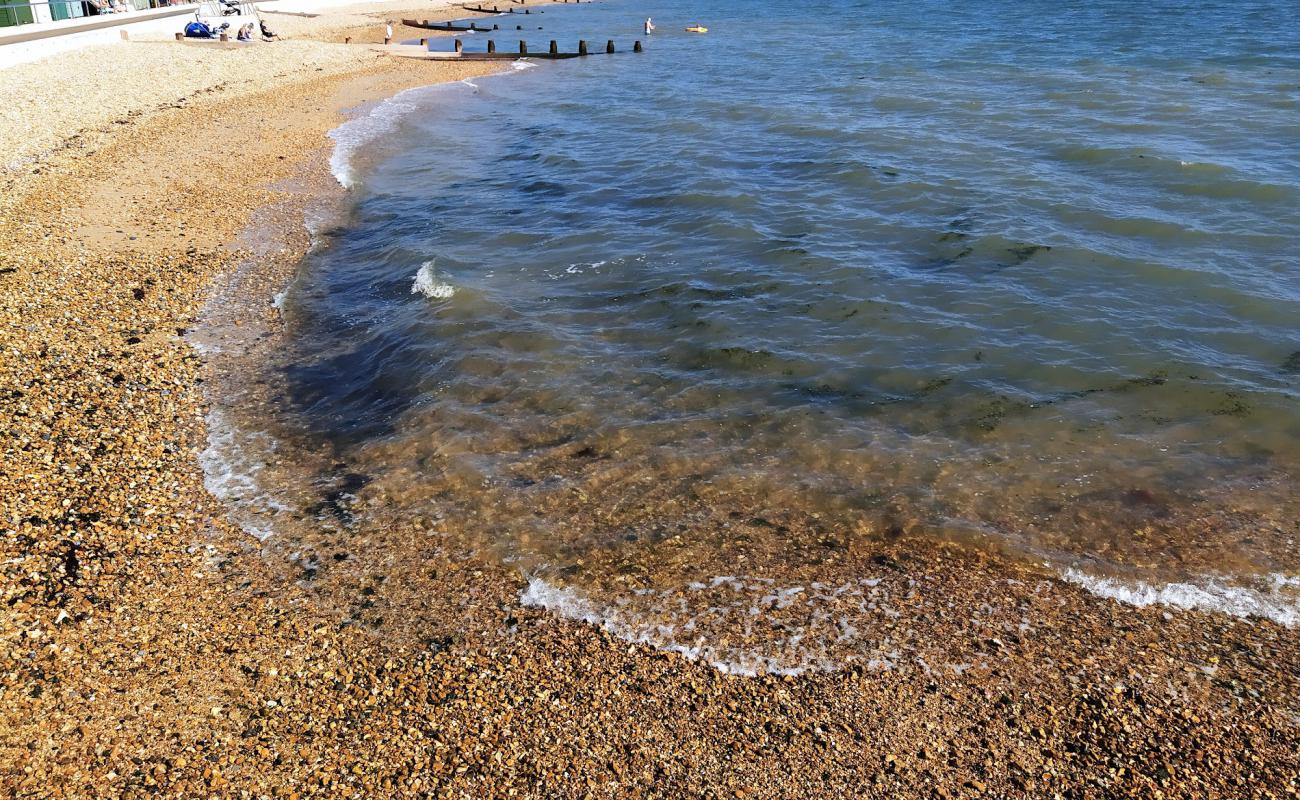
{"points": [[364, 129], [426, 283]]}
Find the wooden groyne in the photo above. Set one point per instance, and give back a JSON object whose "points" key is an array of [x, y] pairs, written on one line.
{"points": [[496, 10], [479, 9], [453, 27], [552, 53], [445, 26]]}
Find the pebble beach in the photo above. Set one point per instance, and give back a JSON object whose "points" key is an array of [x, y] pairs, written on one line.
{"points": [[149, 648]]}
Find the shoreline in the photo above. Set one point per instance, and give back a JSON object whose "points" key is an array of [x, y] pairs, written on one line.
{"points": [[151, 648]]}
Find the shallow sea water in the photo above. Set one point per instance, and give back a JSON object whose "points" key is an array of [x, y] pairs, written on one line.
{"points": [[671, 331]]}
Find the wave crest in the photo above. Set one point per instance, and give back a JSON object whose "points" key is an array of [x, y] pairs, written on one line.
{"points": [[1279, 601], [426, 283]]}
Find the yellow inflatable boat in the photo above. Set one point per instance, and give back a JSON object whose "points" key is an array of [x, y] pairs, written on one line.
{"points": [[697, 29]]}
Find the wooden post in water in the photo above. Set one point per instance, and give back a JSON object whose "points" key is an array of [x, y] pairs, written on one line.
{"points": [[523, 47], [636, 48], [555, 48], [492, 46], [460, 46], [609, 46], [582, 47]]}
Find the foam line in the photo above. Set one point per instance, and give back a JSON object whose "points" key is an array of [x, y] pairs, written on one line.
{"points": [[1209, 594]]}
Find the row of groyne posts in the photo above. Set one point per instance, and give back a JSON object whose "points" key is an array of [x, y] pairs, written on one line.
{"points": [[492, 52], [553, 52]]}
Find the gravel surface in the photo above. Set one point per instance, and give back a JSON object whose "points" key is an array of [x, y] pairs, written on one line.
{"points": [[85, 92]]}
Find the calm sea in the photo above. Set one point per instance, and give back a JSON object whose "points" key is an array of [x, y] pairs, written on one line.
{"points": [[1019, 275]]}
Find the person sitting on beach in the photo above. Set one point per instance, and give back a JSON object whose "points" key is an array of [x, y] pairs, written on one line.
{"points": [[267, 33], [245, 33]]}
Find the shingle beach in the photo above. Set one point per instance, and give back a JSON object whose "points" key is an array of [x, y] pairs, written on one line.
{"points": [[147, 648]]}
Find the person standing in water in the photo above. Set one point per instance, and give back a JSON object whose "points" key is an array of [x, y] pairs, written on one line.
{"points": [[649, 26]]}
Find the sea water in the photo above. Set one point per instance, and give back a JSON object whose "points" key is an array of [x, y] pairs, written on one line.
{"points": [[663, 329]]}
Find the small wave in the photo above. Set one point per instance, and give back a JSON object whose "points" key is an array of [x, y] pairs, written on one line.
{"points": [[230, 464], [667, 621], [1140, 158], [426, 283], [569, 604], [578, 269], [319, 220], [1273, 602], [352, 135], [361, 130]]}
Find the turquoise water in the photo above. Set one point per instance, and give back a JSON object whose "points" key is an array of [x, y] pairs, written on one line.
{"points": [[1019, 275]]}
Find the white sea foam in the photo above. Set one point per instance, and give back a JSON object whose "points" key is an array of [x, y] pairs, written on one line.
{"points": [[364, 129], [319, 220], [426, 283], [580, 268], [359, 131], [743, 625], [664, 621], [569, 604], [1277, 601], [230, 463]]}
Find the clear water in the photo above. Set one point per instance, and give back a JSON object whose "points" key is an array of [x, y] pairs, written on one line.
{"points": [[1023, 276]]}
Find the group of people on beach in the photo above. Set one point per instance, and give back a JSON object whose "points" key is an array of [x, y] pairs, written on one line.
{"points": [[94, 7], [199, 29], [246, 33]]}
